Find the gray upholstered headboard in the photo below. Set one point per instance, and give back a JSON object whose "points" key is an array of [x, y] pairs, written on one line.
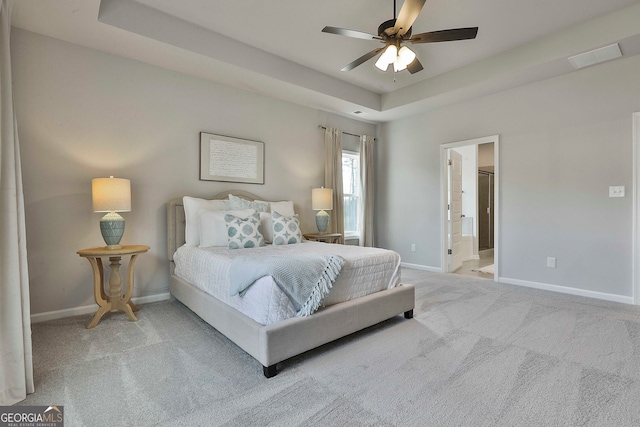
{"points": [[176, 218]]}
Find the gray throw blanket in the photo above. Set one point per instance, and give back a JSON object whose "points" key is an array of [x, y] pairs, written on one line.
{"points": [[306, 279]]}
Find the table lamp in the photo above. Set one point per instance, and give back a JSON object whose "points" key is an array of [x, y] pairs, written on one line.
{"points": [[322, 200], [111, 195]]}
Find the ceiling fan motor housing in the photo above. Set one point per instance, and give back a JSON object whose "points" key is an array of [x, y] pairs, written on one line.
{"points": [[390, 24]]}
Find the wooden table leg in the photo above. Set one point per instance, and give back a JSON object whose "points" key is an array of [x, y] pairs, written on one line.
{"points": [[115, 283], [101, 270], [96, 317], [98, 291], [127, 305], [133, 306]]}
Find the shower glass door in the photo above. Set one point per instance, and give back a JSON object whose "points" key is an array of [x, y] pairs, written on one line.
{"points": [[485, 210]]}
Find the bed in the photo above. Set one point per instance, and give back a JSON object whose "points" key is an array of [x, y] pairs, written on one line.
{"points": [[275, 342]]}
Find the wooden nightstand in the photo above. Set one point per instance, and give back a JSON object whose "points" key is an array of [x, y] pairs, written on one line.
{"points": [[115, 301], [323, 237]]}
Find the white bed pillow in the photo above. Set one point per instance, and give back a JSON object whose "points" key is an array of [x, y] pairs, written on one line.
{"points": [[267, 226], [286, 229], [192, 208], [213, 228]]}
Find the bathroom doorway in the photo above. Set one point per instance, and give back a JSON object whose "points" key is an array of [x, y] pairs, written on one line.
{"points": [[476, 245]]}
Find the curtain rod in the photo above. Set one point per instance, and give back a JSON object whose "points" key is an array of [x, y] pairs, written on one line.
{"points": [[347, 133]]}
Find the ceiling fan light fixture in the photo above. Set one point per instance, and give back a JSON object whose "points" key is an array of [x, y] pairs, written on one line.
{"points": [[381, 64], [397, 67], [394, 32], [399, 58], [406, 56], [388, 57]]}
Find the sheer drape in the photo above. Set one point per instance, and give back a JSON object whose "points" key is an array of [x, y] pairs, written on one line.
{"points": [[16, 368], [333, 178], [367, 237]]}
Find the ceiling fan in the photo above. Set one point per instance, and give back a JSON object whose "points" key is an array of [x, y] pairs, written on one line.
{"points": [[394, 33]]}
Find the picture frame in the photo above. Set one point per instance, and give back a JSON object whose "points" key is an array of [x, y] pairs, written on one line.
{"points": [[224, 158]]}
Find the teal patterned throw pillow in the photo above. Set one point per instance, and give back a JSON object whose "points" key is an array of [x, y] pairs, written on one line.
{"points": [[243, 233], [286, 229], [240, 203]]}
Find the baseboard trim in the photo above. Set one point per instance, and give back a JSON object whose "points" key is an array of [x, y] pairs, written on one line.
{"points": [[421, 267], [568, 290], [88, 309]]}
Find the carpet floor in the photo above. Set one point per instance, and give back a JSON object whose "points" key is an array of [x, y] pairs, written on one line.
{"points": [[477, 353]]}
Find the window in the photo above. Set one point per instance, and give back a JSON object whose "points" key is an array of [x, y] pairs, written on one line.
{"points": [[351, 189]]}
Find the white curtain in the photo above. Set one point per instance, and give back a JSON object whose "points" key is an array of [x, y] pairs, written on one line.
{"points": [[333, 178], [367, 237], [16, 368]]}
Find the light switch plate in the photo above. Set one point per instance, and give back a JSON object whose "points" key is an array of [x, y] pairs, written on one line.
{"points": [[616, 191]]}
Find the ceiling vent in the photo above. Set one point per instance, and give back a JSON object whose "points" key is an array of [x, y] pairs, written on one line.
{"points": [[595, 56]]}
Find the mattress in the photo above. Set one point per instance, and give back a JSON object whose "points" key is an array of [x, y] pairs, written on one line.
{"points": [[365, 271]]}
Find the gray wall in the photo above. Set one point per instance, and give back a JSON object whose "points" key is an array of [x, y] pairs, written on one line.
{"points": [[563, 141], [84, 114]]}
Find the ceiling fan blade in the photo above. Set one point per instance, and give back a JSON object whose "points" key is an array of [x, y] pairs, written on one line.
{"points": [[445, 35], [362, 59], [415, 66], [407, 16], [350, 33]]}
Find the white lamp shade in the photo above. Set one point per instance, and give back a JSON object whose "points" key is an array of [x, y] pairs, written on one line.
{"points": [[406, 56], [111, 194], [398, 66], [321, 199], [387, 57]]}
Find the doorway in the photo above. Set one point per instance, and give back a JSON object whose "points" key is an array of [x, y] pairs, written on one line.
{"points": [[470, 231]]}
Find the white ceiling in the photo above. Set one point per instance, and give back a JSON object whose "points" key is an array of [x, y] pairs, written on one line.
{"points": [[277, 47]]}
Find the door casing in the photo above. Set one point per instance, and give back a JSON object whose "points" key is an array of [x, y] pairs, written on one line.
{"points": [[444, 190], [455, 210]]}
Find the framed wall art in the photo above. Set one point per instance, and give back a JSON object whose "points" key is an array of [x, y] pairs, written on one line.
{"points": [[223, 158]]}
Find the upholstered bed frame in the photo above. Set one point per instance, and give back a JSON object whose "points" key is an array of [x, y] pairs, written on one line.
{"points": [[274, 343]]}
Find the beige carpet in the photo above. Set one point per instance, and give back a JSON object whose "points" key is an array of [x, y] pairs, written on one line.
{"points": [[477, 353]]}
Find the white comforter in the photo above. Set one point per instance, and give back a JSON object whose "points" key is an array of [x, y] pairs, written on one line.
{"points": [[365, 271]]}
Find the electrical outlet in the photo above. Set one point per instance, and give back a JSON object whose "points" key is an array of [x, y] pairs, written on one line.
{"points": [[413, 247], [551, 262], [616, 191]]}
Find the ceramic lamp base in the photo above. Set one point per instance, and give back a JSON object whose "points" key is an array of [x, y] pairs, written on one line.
{"points": [[112, 229], [322, 221]]}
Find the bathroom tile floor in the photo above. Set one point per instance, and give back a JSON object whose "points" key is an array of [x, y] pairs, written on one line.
{"points": [[486, 258]]}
